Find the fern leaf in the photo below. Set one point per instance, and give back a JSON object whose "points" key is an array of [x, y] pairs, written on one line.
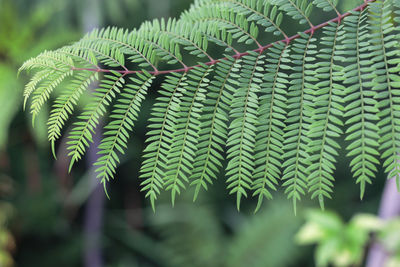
{"points": [[361, 109], [42, 93], [33, 83], [231, 21], [326, 5], [214, 125], [263, 13], [164, 117], [327, 118], [272, 114], [124, 115], [64, 104], [185, 137], [300, 96], [384, 49], [119, 42], [242, 130], [81, 134]]}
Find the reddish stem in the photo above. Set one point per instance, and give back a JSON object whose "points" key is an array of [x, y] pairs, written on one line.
{"points": [[261, 49]]}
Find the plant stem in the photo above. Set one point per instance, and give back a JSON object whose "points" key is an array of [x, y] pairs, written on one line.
{"points": [[389, 208], [261, 49], [93, 220]]}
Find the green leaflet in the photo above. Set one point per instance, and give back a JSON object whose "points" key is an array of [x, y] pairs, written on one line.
{"points": [[326, 5], [274, 112], [299, 118], [81, 134], [64, 104], [214, 125], [161, 133], [122, 121], [327, 117], [185, 136], [269, 139], [361, 110], [242, 130], [42, 93], [386, 85], [231, 22], [297, 9]]}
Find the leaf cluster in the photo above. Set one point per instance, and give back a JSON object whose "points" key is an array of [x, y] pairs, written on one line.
{"points": [[275, 112]]}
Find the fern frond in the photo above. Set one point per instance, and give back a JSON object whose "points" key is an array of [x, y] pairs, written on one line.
{"points": [[164, 117], [123, 117], [184, 142], [300, 98], [277, 108], [327, 117], [361, 110], [81, 134], [384, 49], [214, 125], [272, 114], [242, 130], [64, 104]]}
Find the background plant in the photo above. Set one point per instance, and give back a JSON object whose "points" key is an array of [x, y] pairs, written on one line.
{"points": [[343, 244]]}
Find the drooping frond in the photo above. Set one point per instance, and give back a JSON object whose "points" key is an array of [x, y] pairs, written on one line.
{"points": [[214, 125], [242, 130], [327, 117], [300, 105], [274, 113], [81, 134], [164, 117], [387, 84], [64, 104], [361, 110], [185, 136], [122, 121]]}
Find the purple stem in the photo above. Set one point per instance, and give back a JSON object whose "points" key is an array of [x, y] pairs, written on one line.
{"points": [[93, 223], [389, 208], [94, 211]]}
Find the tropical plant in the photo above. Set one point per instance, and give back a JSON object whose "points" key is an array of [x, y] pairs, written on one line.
{"points": [[343, 244], [274, 111]]}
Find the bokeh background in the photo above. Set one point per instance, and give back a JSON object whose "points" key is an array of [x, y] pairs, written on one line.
{"points": [[49, 217]]}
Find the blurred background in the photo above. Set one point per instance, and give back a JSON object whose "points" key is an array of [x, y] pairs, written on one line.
{"points": [[51, 218]]}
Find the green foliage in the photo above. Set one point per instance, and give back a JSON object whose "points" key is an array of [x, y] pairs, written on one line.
{"points": [[339, 244], [277, 110], [389, 237], [25, 37], [7, 241], [9, 100], [244, 244], [343, 244]]}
